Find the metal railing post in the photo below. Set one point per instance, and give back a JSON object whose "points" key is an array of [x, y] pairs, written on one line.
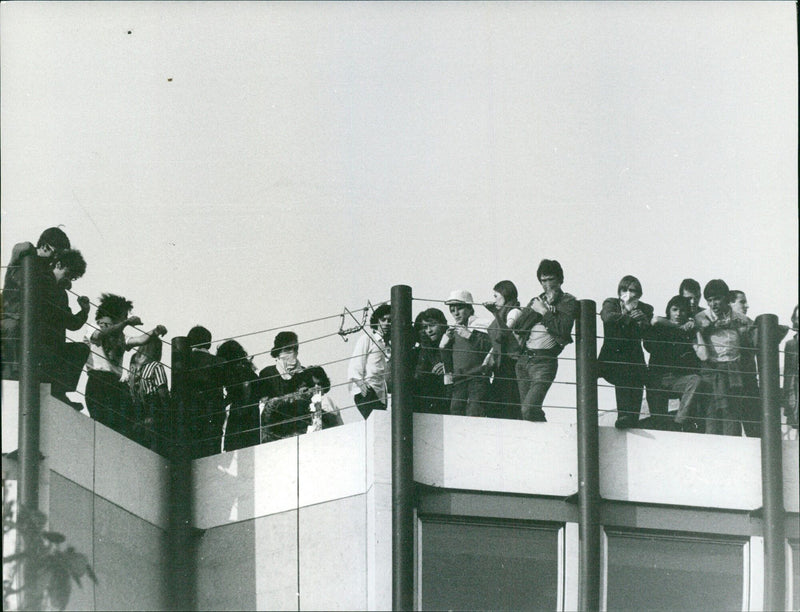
{"points": [[588, 457], [181, 546], [29, 406], [771, 464], [402, 451]]}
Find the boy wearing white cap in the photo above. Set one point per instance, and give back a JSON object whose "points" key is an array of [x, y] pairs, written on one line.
{"points": [[469, 343]]}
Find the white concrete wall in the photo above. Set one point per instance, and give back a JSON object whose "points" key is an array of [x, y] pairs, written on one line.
{"points": [[107, 495], [328, 492], [637, 465]]}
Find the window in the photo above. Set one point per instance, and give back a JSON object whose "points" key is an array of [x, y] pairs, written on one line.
{"points": [[793, 577], [472, 564], [674, 571]]}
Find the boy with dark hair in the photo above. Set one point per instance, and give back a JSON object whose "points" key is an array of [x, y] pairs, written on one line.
{"points": [[433, 396], [690, 289], [51, 242], [367, 369], [62, 361], [673, 369], [543, 329], [106, 395], [150, 396], [205, 378], [468, 343], [722, 336]]}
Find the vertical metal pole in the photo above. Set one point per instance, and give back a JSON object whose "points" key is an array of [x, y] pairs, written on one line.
{"points": [[29, 407], [771, 464], [181, 570], [402, 451], [588, 457]]}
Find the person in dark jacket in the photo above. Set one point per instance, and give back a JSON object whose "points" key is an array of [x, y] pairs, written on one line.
{"points": [[432, 395], [283, 402], [673, 369], [52, 241], [207, 401], [238, 375], [62, 361], [504, 400], [626, 320]]}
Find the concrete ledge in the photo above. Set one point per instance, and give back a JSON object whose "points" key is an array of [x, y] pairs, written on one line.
{"points": [[498, 455], [263, 480], [67, 442], [647, 466], [131, 476]]}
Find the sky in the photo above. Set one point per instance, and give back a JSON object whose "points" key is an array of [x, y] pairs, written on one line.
{"points": [[250, 166]]}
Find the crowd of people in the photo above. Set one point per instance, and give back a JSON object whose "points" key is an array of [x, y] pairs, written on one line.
{"points": [[501, 365]]}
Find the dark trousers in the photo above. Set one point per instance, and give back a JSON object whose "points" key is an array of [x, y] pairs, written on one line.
{"points": [[63, 368], [751, 407], [243, 427], [663, 387], [469, 395], [367, 403], [504, 399], [107, 401], [535, 375], [9, 348], [208, 417]]}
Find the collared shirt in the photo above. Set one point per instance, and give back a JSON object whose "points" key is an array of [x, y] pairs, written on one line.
{"points": [[368, 364], [728, 336], [560, 316], [146, 379], [99, 361]]}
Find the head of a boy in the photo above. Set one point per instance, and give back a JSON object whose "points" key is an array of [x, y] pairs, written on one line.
{"points": [[716, 294], [678, 309], [550, 275], [149, 351], [112, 309], [52, 241], [434, 324], [68, 266], [381, 319]]}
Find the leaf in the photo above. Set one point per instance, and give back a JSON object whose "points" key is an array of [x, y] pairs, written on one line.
{"points": [[54, 537], [59, 587], [77, 563]]}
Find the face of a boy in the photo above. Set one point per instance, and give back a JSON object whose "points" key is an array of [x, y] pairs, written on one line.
{"points": [[461, 313], [63, 276], [433, 330], [717, 304], [385, 324], [694, 298], [740, 304], [678, 315]]}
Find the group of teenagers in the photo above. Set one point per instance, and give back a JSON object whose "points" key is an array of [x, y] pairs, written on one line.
{"points": [[502, 365], [228, 405]]}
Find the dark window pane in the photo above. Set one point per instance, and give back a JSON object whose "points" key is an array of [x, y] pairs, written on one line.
{"points": [[671, 572], [795, 577], [473, 565]]}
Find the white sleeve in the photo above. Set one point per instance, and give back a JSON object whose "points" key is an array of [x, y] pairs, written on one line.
{"points": [[357, 366]]}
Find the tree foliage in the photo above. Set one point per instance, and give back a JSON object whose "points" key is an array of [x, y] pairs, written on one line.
{"points": [[51, 567]]}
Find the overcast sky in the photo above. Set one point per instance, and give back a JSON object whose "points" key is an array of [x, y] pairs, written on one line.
{"points": [[252, 165]]}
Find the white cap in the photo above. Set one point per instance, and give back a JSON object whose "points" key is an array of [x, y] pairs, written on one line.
{"points": [[459, 296]]}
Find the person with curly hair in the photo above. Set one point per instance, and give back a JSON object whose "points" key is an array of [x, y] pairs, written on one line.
{"points": [[51, 242], [106, 395], [62, 361], [367, 369]]}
